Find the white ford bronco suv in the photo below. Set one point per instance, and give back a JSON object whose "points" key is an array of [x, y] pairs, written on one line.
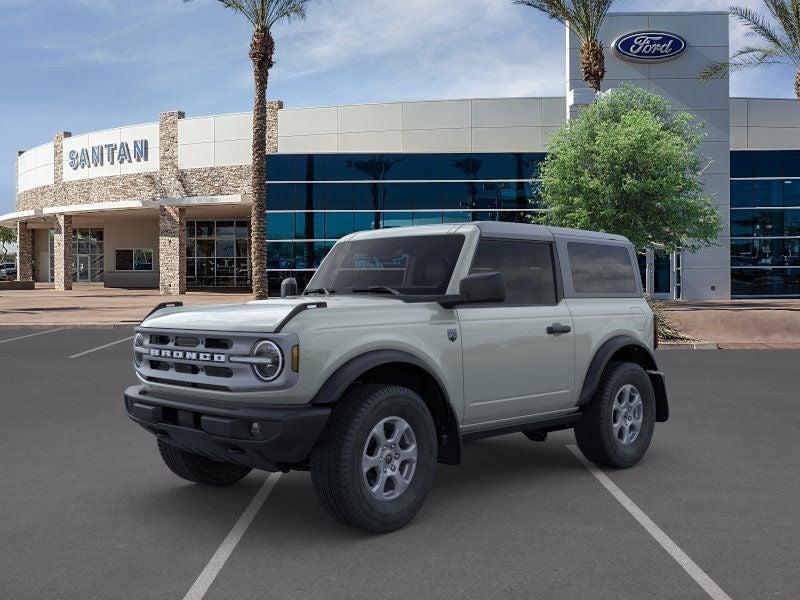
{"points": [[406, 344]]}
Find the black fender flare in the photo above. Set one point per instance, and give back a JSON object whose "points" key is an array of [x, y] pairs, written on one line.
{"points": [[335, 386], [644, 357]]}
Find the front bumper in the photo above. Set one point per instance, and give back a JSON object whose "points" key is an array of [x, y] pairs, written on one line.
{"points": [[284, 436]]}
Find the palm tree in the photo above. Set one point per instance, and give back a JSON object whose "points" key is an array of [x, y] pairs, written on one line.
{"points": [[584, 19], [780, 41], [262, 15]]}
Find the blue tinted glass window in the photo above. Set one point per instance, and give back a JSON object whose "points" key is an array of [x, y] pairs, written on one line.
{"points": [[366, 196], [281, 167], [339, 196], [529, 164], [397, 219], [338, 225], [463, 166], [427, 218], [396, 196], [455, 195], [367, 220], [790, 165], [280, 196], [280, 226], [791, 222], [742, 223], [456, 216], [309, 196], [791, 192], [768, 163], [495, 166], [426, 166], [427, 195], [398, 167], [765, 282], [340, 167], [309, 226], [514, 195], [742, 164], [484, 195], [768, 193], [280, 255], [741, 194], [310, 167]]}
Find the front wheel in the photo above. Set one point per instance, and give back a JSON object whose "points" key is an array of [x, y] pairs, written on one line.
{"points": [[616, 428], [374, 463]]}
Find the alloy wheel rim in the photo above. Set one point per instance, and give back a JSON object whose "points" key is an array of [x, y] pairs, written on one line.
{"points": [[627, 415], [389, 458]]}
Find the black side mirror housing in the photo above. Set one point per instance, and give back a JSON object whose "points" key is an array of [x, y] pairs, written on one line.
{"points": [[478, 288], [289, 287]]}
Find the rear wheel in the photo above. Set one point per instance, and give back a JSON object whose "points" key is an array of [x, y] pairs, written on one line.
{"points": [[199, 469], [374, 463], [617, 426]]}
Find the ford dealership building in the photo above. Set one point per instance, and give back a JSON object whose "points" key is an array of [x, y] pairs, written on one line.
{"points": [[167, 204]]}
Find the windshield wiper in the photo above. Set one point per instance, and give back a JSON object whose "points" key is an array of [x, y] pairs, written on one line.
{"points": [[323, 291], [376, 289]]}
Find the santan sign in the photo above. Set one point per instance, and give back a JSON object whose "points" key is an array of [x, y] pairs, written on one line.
{"points": [[649, 46], [97, 156]]}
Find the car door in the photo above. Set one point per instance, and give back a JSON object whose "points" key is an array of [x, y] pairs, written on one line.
{"points": [[518, 355]]}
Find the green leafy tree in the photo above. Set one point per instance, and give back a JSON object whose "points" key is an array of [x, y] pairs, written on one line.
{"points": [[778, 40], [7, 237], [263, 15], [584, 18], [629, 166]]}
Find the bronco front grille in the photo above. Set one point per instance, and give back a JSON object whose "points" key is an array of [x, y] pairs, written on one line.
{"points": [[202, 360]]}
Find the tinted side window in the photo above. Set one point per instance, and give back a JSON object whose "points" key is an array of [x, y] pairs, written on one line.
{"points": [[527, 267], [601, 269]]}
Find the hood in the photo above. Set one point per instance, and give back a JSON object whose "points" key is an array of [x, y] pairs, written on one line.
{"points": [[261, 316]]}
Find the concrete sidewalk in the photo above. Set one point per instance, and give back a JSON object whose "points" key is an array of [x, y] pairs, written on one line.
{"points": [[92, 305]]}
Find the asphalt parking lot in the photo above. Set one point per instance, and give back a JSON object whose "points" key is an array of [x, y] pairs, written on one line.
{"points": [[87, 509]]}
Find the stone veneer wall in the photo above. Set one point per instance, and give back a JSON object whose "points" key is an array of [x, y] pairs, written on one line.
{"points": [[62, 250], [24, 252], [172, 250]]}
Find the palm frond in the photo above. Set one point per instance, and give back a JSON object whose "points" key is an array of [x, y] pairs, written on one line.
{"points": [[583, 17], [784, 14], [759, 26], [263, 14], [746, 58]]}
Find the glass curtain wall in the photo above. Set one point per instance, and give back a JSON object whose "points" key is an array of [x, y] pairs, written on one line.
{"points": [[765, 223], [315, 199], [217, 254]]}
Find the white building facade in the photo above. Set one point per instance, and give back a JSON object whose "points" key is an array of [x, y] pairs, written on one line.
{"points": [[167, 204]]}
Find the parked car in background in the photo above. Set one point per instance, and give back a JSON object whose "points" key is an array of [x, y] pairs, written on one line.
{"points": [[8, 271]]}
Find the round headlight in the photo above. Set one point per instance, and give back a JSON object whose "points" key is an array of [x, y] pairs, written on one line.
{"points": [[138, 344], [271, 363]]}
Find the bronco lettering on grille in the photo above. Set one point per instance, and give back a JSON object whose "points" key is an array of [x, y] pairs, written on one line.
{"points": [[182, 354]]}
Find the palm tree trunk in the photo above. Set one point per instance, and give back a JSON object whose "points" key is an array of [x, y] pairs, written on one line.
{"points": [[262, 48], [797, 84], [593, 66]]}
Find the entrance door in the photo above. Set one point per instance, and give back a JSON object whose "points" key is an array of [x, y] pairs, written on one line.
{"points": [[83, 268], [513, 366]]}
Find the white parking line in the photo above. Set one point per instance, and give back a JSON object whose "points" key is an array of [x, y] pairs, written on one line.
{"points": [[22, 337], [101, 347], [214, 566], [694, 571]]}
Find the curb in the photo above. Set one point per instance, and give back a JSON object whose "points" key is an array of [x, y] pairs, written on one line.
{"points": [[689, 345]]}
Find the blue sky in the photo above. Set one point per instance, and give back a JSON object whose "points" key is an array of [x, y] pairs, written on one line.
{"points": [[84, 65]]}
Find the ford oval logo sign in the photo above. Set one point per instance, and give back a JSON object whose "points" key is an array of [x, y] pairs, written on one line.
{"points": [[649, 46]]}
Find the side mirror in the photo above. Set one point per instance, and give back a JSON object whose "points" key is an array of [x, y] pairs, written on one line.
{"points": [[483, 287], [288, 287]]}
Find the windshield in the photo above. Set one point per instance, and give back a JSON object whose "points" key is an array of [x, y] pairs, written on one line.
{"points": [[407, 265]]}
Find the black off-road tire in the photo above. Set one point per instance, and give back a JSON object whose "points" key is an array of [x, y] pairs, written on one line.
{"points": [[594, 431], [336, 467], [199, 469]]}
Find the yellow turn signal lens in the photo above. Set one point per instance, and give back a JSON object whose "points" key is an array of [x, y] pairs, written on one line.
{"points": [[296, 359]]}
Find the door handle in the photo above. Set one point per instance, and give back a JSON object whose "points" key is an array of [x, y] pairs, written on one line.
{"points": [[557, 328]]}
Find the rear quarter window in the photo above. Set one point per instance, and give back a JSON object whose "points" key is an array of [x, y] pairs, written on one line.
{"points": [[601, 269]]}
